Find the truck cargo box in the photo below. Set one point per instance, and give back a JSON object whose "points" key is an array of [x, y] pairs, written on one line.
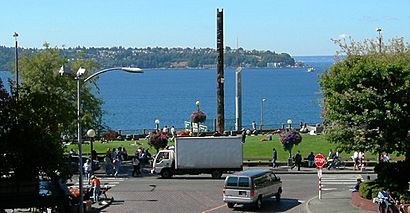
{"points": [[208, 152]]}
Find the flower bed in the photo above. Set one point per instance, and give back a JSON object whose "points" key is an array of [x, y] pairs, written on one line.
{"points": [[368, 205], [363, 203]]}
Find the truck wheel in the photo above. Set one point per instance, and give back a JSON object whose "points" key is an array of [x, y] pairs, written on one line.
{"points": [[230, 205], [216, 174], [166, 174]]}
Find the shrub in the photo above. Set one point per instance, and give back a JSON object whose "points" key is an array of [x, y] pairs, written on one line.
{"points": [[369, 189], [364, 190], [394, 176]]}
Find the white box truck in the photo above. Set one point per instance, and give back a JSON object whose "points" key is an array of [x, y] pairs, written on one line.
{"points": [[200, 155]]}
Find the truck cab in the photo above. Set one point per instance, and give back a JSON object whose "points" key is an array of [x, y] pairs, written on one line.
{"points": [[164, 163]]}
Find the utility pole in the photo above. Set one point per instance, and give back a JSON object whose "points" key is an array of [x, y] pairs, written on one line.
{"points": [[238, 100], [220, 111]]}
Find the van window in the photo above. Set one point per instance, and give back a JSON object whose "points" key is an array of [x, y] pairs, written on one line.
{"points": [[244, 182], [261, 181], [232, 181]]}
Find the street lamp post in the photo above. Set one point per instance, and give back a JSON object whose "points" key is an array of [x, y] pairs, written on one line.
{"points": [[157, 124], [379, 31], [262, 100], [91, 135], [197, 103], [80, 72], [289, 124], [15, 35]]}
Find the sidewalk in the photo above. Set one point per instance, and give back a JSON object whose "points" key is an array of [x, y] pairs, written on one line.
{"points": [[306, 170], [333, 202]]}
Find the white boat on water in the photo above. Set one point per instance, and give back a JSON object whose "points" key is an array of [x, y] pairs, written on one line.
{"points": [[310, 69]]}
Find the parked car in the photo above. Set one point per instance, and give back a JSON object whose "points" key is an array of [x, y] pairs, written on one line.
{"points": [[74, 163], [40, 193], [250, 187]]}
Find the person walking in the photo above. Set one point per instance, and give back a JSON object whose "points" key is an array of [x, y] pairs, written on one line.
{"points": [[87, 170], [96, 187], [274, 157], [136, 165], [108, 164], [298, 160], [117, 165]]}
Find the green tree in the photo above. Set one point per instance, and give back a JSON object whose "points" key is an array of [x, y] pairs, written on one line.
{"points": [[39, 71], [29, 137], [366, 97]]}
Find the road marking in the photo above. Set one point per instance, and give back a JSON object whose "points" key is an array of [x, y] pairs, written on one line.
{"points": [[329, 189], [337, 183], [209, 210]]}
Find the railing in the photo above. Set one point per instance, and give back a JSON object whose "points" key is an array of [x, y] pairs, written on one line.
{"points": [[210, 123]]}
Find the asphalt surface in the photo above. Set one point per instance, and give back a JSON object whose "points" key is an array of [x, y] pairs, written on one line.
{"points": [[200, 193]]}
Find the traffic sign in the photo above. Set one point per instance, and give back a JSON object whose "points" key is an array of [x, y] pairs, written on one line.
{"points": [[319, 160]]}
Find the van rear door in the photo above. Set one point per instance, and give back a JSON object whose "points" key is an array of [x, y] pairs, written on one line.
{"points": [[238, 187]]}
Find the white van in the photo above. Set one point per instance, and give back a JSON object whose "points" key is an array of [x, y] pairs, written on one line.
{"points": [[251, 187]]}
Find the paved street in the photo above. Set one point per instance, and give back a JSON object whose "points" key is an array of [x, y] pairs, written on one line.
{"points": [[203, 194]]}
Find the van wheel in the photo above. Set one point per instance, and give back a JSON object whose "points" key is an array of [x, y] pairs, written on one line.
{"points": [[258, 204], [166, 174], [216, 174], [230, 205], [277, 197]]}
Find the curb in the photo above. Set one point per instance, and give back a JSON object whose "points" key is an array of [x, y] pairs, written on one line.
{"points": [[308, 202]]}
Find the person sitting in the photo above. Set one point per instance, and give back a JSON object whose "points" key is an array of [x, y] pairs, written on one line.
{"points": [[311, 159], [334, 162], [385, 200]]}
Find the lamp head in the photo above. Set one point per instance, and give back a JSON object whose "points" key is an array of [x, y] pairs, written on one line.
{"points": [[197, 103], [15, 35], [132, 69], [156, 121], [289, 121], [378, 29], [80, 71], [61, 71], [91, 133]]}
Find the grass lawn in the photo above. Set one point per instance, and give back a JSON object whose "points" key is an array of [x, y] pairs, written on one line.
{"points": [[253, 147]]}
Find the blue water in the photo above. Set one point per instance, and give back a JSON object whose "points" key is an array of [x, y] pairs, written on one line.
{"points": [[134, 101]]}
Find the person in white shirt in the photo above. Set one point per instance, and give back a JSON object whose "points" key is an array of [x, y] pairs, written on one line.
{"points": [[356, 160], [165, 129]]}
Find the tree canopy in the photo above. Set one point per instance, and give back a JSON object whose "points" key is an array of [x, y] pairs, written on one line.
{"points": [[366, 100], [31, 125], [29, 140], [39, 71]]}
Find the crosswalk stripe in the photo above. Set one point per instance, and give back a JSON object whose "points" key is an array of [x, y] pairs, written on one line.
{"points": [[329, 189]]}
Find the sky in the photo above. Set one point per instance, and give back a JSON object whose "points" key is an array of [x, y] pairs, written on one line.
{"points": [[297, 27]]}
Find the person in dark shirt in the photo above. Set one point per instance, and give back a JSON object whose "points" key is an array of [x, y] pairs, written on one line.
{"points": [[298, 160], [311, 159]]}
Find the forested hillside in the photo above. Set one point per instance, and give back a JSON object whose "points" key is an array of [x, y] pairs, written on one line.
{"points": [[159, 57]]}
